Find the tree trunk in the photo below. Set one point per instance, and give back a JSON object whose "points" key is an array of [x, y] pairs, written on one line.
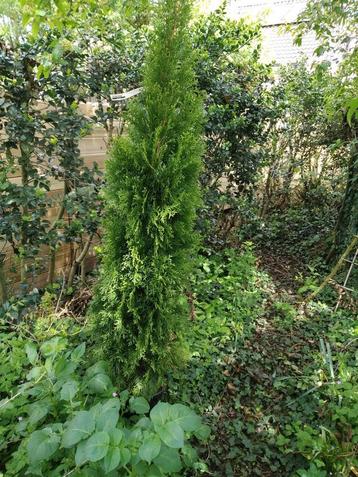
{"points": [[266, 198], [3, 285], [25, 212], [78, 259], [334, 270], [347, 222], [52, 265]]}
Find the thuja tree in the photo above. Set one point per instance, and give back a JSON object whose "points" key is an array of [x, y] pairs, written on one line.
{"points": [[152, 194]]}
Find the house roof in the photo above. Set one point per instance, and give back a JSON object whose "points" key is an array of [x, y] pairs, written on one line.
{"points": [[278, 45], [269, 12]]}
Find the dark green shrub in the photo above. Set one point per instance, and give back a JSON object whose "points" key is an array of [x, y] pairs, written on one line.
{"points": [[237, 114], [151, 196], [41, 141]]}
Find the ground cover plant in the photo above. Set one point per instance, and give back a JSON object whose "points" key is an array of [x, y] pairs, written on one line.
{"points": [[71, 419], [217, 344], [278, 388]]}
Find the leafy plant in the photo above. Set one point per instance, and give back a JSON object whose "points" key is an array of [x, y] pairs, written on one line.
{"points": [[226, 303], [237, 111], [41, 143], [302, 141], [46, 78], [13, 360], [257, 375], [68, 417], [329, 442]]}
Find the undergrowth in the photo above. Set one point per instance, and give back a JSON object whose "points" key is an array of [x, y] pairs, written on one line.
{"points": [[279, 388], [60, 416]]}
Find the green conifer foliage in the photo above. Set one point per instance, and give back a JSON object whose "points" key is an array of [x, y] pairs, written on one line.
{"points": [[152, 196]]}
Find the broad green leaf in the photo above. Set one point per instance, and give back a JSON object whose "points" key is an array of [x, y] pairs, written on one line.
{"points": [[63, 368], [6, 405], [107, 420], [123, 397], [140, 468], [80, 427], [352, 110], [113, 403], [49, 367], [96, 410], [146, 470], [144, 423], [112, 459], [78, 352], [38, 411], [56, 427], [81, 456], [116, 436], [21, 425], [125, 456], [185, 417], [160, 414], [134, 437], [34, 469], [139, 405], [42, 445], [190, 456], [69, 390], [34, 373], [97, 446], [98, 368], [203, 432], [171, 434], [153, 471], [150, 448], [31, 352], [53, 346], [99, 383], [168, 460]]}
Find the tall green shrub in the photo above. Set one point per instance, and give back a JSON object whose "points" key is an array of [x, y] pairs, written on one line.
{"points": [[152, 194], [238, 114]]}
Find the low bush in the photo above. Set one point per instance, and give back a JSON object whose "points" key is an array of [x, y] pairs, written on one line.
{"points": [[64, 417]]}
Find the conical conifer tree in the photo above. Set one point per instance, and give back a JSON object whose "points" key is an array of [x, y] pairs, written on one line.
{"points": [[152, 195]]}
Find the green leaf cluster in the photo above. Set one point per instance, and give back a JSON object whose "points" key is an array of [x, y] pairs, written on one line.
{"points": [[68, 417], [237, 113]]}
